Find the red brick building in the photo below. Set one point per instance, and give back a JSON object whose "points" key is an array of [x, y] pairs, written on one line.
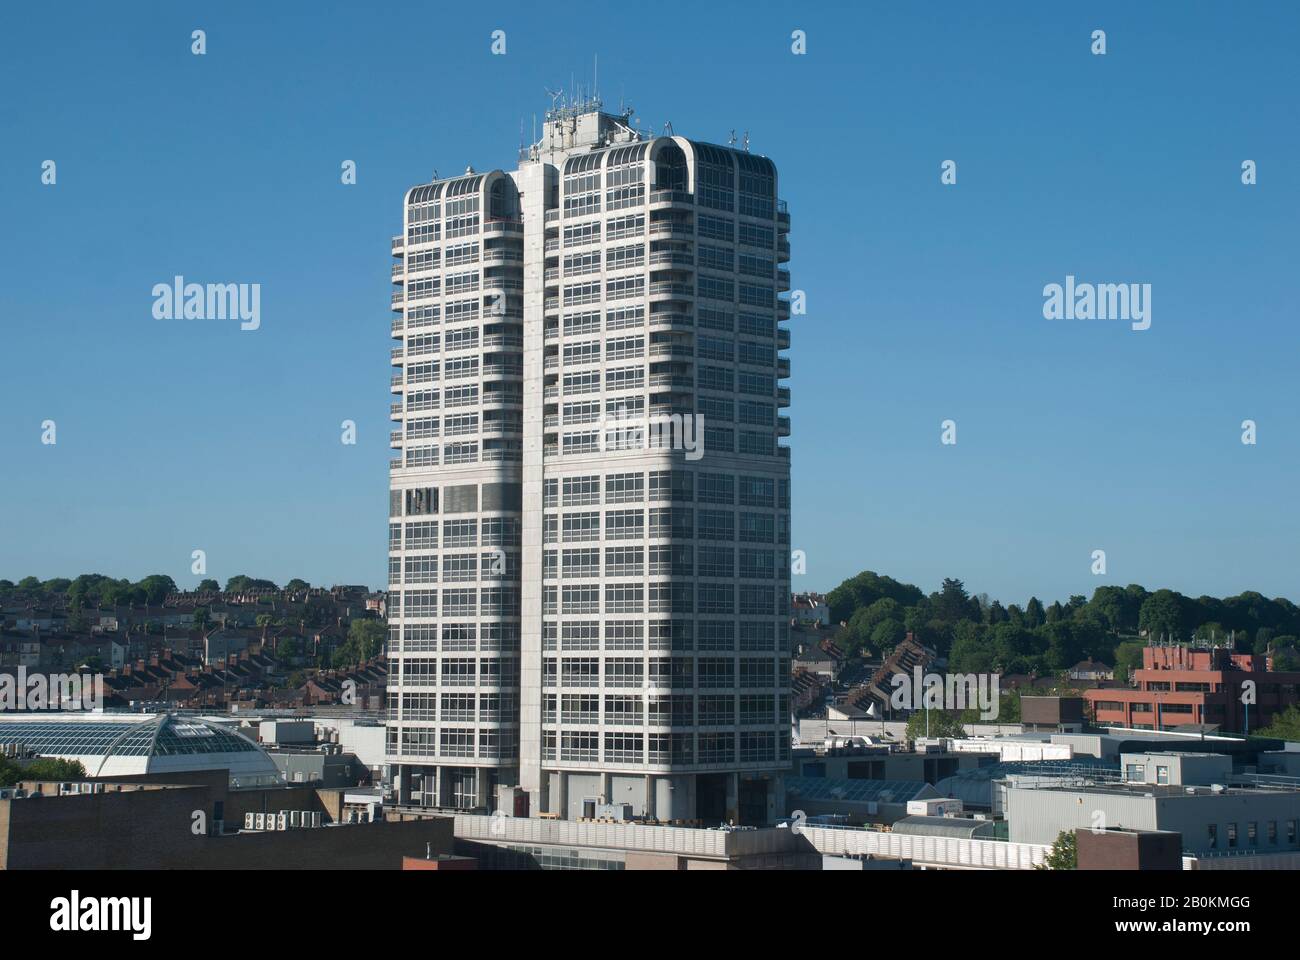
{"points": [[1181, 685]]}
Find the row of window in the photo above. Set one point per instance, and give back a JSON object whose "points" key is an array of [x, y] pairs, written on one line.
{"points": [[676, 522], [677, 748], [674, 559], [702, 672], [705, 748], [680, 636]]}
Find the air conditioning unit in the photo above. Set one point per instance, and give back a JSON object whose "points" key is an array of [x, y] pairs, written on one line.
{"points": [[248, 821], [260, 821], [282, 822], [315, 818]]}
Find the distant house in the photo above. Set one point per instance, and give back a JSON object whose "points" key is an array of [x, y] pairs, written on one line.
{"points": [[1092, 670], [815, 660], [805, 689], [810, 608], [220, 644]]}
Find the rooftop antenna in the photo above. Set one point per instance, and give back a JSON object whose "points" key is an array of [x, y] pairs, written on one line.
{"points": [[731, 141], [747, 141]]}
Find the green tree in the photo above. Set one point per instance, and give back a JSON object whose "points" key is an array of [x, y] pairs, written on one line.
{"points": [[952, 603], [209, 586], [1034, 616], [1128, 657], [971, 650], [942, 723], [1161, 615], [241, 583], [865, 589], [1285, 725], [42, 768], [365, 640], [887, 634], [297, 586], [155, 588], [1064, 853]]}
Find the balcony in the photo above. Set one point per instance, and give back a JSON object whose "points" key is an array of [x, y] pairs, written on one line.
{"points": [[670, 350], [783, 280], [670, 410], [395, 464], [783, 452], [396, 383], [399, 246], [552, 303], [783, 309], [551, 392], [498, 400], [395, 438], [502, 256], [500, 286], [783, 396], [399, 270], [672, 319], [667, 198], [502, 340], [493, 227], [397, 354], [398, 326], [551, 273], [783, 426], [396, 300], [668, 290], [782, 338], [672, 228], [552, 245], [783, 368], [672, 258], [674, 383], [552, 216], [782, 216], [783, 250], [395, 411]]}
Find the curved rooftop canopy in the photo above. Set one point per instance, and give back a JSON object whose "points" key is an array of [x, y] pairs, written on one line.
{"points": [[110, 745]]}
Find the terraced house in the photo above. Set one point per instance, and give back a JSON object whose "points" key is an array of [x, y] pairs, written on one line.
{"points": [[589, 522]]}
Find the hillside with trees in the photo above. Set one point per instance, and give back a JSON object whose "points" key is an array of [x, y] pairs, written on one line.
{"points": [[980, 635]]}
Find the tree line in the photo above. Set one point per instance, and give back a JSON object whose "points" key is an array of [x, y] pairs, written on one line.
{"points": [[97, 591], [980, 635]]}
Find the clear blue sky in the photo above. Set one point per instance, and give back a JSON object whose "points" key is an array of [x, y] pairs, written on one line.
{"points": [[925, 301]]}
